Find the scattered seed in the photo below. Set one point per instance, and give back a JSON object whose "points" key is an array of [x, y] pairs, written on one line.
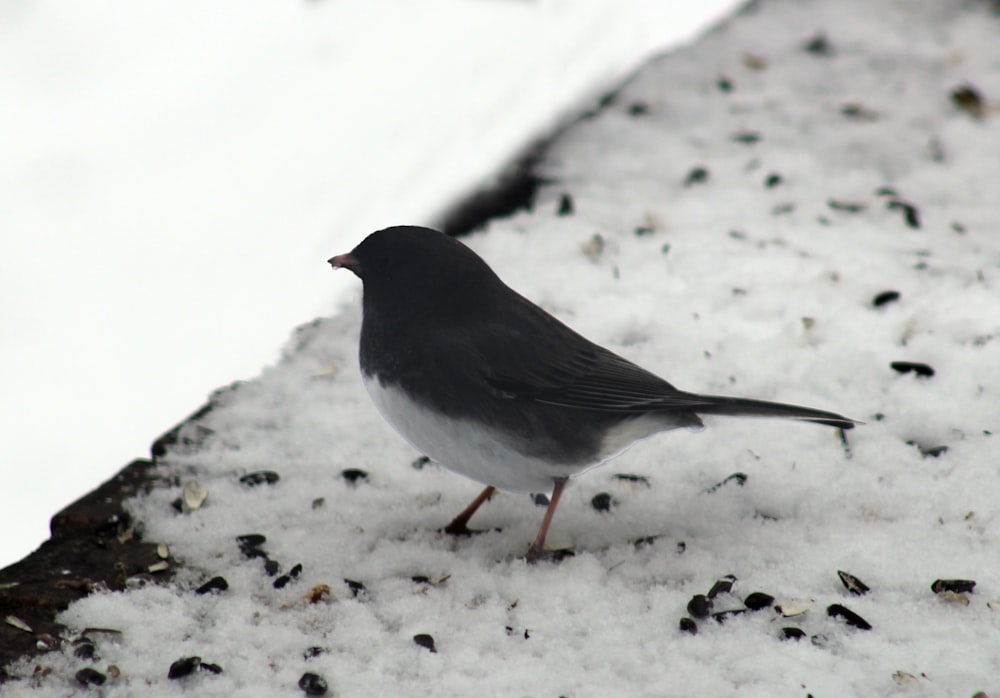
{"points": [[754, 61], [540, 499], [722, 586], [790, 609], [161, 566], [312, 652], [696, 175], [318, 593], [645, 540], [565, 205], [354, 475], [845, 206], [886, 191], [773, 180], [602, 502], [178, 505], [271, 567], [162, 551], [792, 633], [318, 502], [184, 666], [747, 137], [724, 84], [212, 668], [850, 617], [723, 616], [16, 622], [593, 248], [638, 109], [113, 671], [818, 45], [261, 477], [852, 583], [758, 600], [643, 230], [193, 494], [45, 642], [859, 112], [634, 479], [782, 209], [90, 677], [419, 463], [313, 684], [904, 678], [85, 649], [959, 586], [282, 581], [923, 370], [738, 478], [699, 606], [426, 641], [968, 99], [884, 298], [929, 451], [910, 213], [250, 544], [357, 588], [688, 626], [213, 584]]}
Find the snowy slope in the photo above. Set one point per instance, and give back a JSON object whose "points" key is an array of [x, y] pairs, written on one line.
{"points": [[735, 212]]}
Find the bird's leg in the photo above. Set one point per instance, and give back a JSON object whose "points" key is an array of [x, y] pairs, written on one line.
{"points": [[459, 525], [537, 550]]}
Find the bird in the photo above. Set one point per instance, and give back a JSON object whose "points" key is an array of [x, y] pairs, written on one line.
{"points": [[491, 386]]}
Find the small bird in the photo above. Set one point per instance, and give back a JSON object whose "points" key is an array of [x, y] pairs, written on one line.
{"points": [[489, 385]]}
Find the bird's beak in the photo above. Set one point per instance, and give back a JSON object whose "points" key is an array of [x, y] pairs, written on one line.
{"points": [[347, 261]]}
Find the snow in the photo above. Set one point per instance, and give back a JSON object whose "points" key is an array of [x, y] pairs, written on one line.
{"points": [[175, 173], [725, 286]]}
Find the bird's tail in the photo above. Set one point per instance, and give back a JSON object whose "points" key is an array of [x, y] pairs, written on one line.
{"points": [[743, 407]]}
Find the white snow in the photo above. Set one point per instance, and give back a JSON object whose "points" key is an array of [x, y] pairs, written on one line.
{"points": [[174, 175], [731, 287]]}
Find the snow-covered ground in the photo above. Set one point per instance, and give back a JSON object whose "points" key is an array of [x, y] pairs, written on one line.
{"points": [[174, 175], [735, 214]]}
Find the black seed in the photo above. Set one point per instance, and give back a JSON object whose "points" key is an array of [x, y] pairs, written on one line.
{"points": [[792, 633], [850, 617], [212, 668], [540, 500], [724, 84], [91, 677], [967, 98], [699, 606], [355, 587], [958, 586], [738, 478], [773, 180], [281, 582], [420, 579], [852, 583], [565, 205], [213, 584], [885, 297], [910, 213], [261, 477], [85, 650], [295, 571], [425, 640], [723, 616], [906, 366], [313, 684], [929, 451], [645, 540], [818, 45], [602, 502], [636, 479], [420, 462], [178, 505], [250, 542], [722, 586], [819, 640], [354, 475], [688, 626], [696, 175], [314, 652], [638, 109], [885, 191], [271, 567], [643, 230], [183, 667], [747, 137], [758, 600], [845, 206]]}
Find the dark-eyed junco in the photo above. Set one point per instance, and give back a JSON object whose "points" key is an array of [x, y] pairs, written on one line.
{"points": [[491, 386]]}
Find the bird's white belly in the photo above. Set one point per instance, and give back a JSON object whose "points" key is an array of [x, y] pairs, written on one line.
{"points": [[464, 446]]}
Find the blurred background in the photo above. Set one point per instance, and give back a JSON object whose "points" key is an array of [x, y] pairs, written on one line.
{"points": [[174, 174]]}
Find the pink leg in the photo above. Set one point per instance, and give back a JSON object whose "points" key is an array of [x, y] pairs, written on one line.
{"points": [[459, 525], [537, 550]]}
